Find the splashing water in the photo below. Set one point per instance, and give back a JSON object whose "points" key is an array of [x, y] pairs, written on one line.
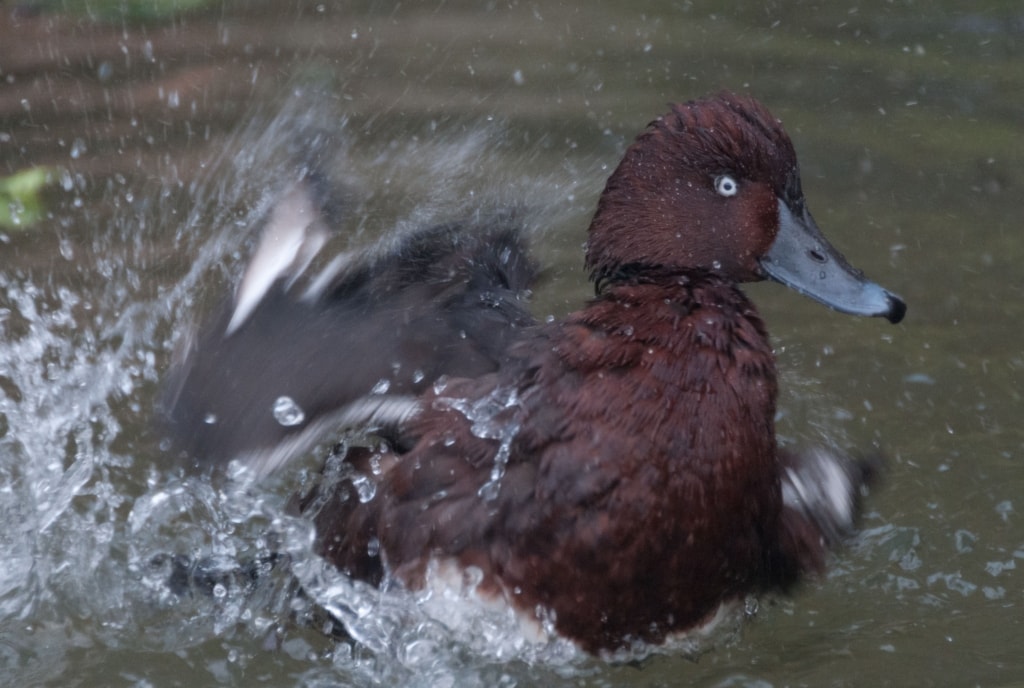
{"points": [[490, 418], [108, 550]]}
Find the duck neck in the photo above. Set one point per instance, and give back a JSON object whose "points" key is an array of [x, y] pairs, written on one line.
{"points": [[697, 322], [644, 287], [644, 273]]}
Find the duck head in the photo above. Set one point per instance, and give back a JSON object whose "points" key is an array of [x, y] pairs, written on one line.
{"points": [[715, 185]]}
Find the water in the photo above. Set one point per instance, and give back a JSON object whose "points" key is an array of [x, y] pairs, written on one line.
{"points": [[172, 139]]}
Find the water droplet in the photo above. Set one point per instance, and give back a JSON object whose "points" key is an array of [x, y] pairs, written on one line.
{"points": [[472, 576], [287, 412], [373, 547], [77, 148], [366, 489], [382, 386], [1004, 509], [489, 490], [418, 375], [716, 264], [517, 77], [210, 418]]}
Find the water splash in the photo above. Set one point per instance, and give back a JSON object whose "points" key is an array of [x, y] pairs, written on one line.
{"points": [[97, 523], [493, 417]]}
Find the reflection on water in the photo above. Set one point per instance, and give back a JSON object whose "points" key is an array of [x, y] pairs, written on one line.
{"points": [[172, 139]]}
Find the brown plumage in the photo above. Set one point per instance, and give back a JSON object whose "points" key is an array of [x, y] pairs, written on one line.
{"points": [[616, 472]]}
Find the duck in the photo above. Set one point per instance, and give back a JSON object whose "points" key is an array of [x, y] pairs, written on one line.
{"points": [[612, 477]]}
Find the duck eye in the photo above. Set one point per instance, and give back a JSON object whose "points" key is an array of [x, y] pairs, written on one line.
{"points": [[726, 186]]}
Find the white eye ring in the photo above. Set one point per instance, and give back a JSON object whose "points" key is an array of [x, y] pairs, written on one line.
{"points": [[726, 186]]}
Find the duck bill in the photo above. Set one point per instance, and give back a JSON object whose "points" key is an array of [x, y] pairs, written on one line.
{"points": [[803, 260]]}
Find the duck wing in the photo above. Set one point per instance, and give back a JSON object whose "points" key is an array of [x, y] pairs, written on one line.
{"points": [[279, 366]]}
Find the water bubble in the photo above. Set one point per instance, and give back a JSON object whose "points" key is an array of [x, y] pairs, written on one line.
{"points": [[210, 418], [287, 412], [382, 386], [418, 375]]}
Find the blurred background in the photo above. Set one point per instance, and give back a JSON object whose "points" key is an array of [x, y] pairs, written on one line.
{"points": [[141, 141]]}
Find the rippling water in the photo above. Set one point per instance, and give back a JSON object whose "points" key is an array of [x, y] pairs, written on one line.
{"points": [[169, 142]]}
